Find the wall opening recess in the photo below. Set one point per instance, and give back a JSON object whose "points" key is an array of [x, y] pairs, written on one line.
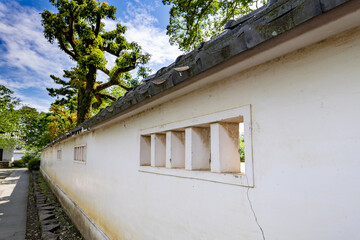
{"points": [[80, 153], [215, 147], [58, 154]]}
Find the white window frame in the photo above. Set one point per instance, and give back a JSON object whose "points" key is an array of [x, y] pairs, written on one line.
{"points": [[242, 179], [83, 161]]}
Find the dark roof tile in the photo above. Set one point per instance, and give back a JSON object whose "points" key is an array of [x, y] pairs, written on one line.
{"points": [[269, 21], [327, 5]]}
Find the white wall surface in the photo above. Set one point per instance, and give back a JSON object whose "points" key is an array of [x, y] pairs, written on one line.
{"points": [[7, 154], [306, 148], [18, 154]]}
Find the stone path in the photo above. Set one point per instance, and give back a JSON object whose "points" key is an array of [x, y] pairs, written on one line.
{"points": [[13, 203], [4, 173]]}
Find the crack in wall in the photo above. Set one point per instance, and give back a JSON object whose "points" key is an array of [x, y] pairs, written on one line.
{"points": [[252, 209]]}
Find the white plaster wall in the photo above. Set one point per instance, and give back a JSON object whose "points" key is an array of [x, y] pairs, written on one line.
{"points": [[18, 154], [7, 154], [306, 148]]}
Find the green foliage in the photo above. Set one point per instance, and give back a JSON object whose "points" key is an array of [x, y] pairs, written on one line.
{"points": [[78, 28], [29, 156], [68, 91], [36, 131], [242, 148], [61, 120], [18, 125], [40, 129], [195, 21], [23, 125], [9, 116], [10, 119], [18, 164], [8, 141], [34, 164]]}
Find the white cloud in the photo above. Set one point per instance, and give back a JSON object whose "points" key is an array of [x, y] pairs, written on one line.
{"points": [[19, 84], [26, 47], [27, 59], [40, 103], [141, 28]]}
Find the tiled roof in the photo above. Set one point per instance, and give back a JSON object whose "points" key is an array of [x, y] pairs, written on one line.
{"points": [[267, 22]]}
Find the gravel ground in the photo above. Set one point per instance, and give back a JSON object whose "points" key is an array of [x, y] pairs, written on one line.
{"points": [[66, 230], [32, 221]]}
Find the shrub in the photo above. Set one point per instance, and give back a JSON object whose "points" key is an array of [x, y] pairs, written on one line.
{"points": [[18, 163], [29, 156], [34, 164]]}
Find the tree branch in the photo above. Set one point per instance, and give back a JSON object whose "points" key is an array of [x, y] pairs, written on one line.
{"points": [[107, 49], [126, 88], [122, 70], [71, 35], [63, 47], [108, 97], [113, 82], [105, 70], [203, 11], [97, 96], [105, 85]]}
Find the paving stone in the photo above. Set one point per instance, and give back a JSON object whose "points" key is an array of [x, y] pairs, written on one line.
{"points": [[47, 207], [49, 227], [41, 198], [43, 212], [43, 217], [43, 205], [49, 221], [49, 236], [40, 201]]}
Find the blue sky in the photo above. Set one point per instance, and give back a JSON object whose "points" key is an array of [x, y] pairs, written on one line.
{"points": [[27, 59]]}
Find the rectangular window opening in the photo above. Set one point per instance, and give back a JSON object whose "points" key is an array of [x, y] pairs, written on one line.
{"points": [[158, 150], [80, 153], [145, 150], [197, 150], [175, 149], [58, 154], [215, 147]]}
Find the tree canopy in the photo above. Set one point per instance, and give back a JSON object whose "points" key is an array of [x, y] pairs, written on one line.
{"points": [[37, 128], [79, 30], [194, 21], [24, 126], [9, 117], [13, 119]]}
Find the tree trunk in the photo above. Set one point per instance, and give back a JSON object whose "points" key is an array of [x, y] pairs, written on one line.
{"points": [[85, 96], [84, 106]]}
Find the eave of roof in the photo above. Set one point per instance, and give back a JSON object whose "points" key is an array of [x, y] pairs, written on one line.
{"points": [[261, 25]]}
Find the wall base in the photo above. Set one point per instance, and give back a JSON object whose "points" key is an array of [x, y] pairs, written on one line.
{"points": [[5, 164], [87, 228]]}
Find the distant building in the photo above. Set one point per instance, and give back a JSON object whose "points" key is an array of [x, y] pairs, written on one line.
{"points": [[9, 154], [163, 162], [18, 154], [6, 154]]}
